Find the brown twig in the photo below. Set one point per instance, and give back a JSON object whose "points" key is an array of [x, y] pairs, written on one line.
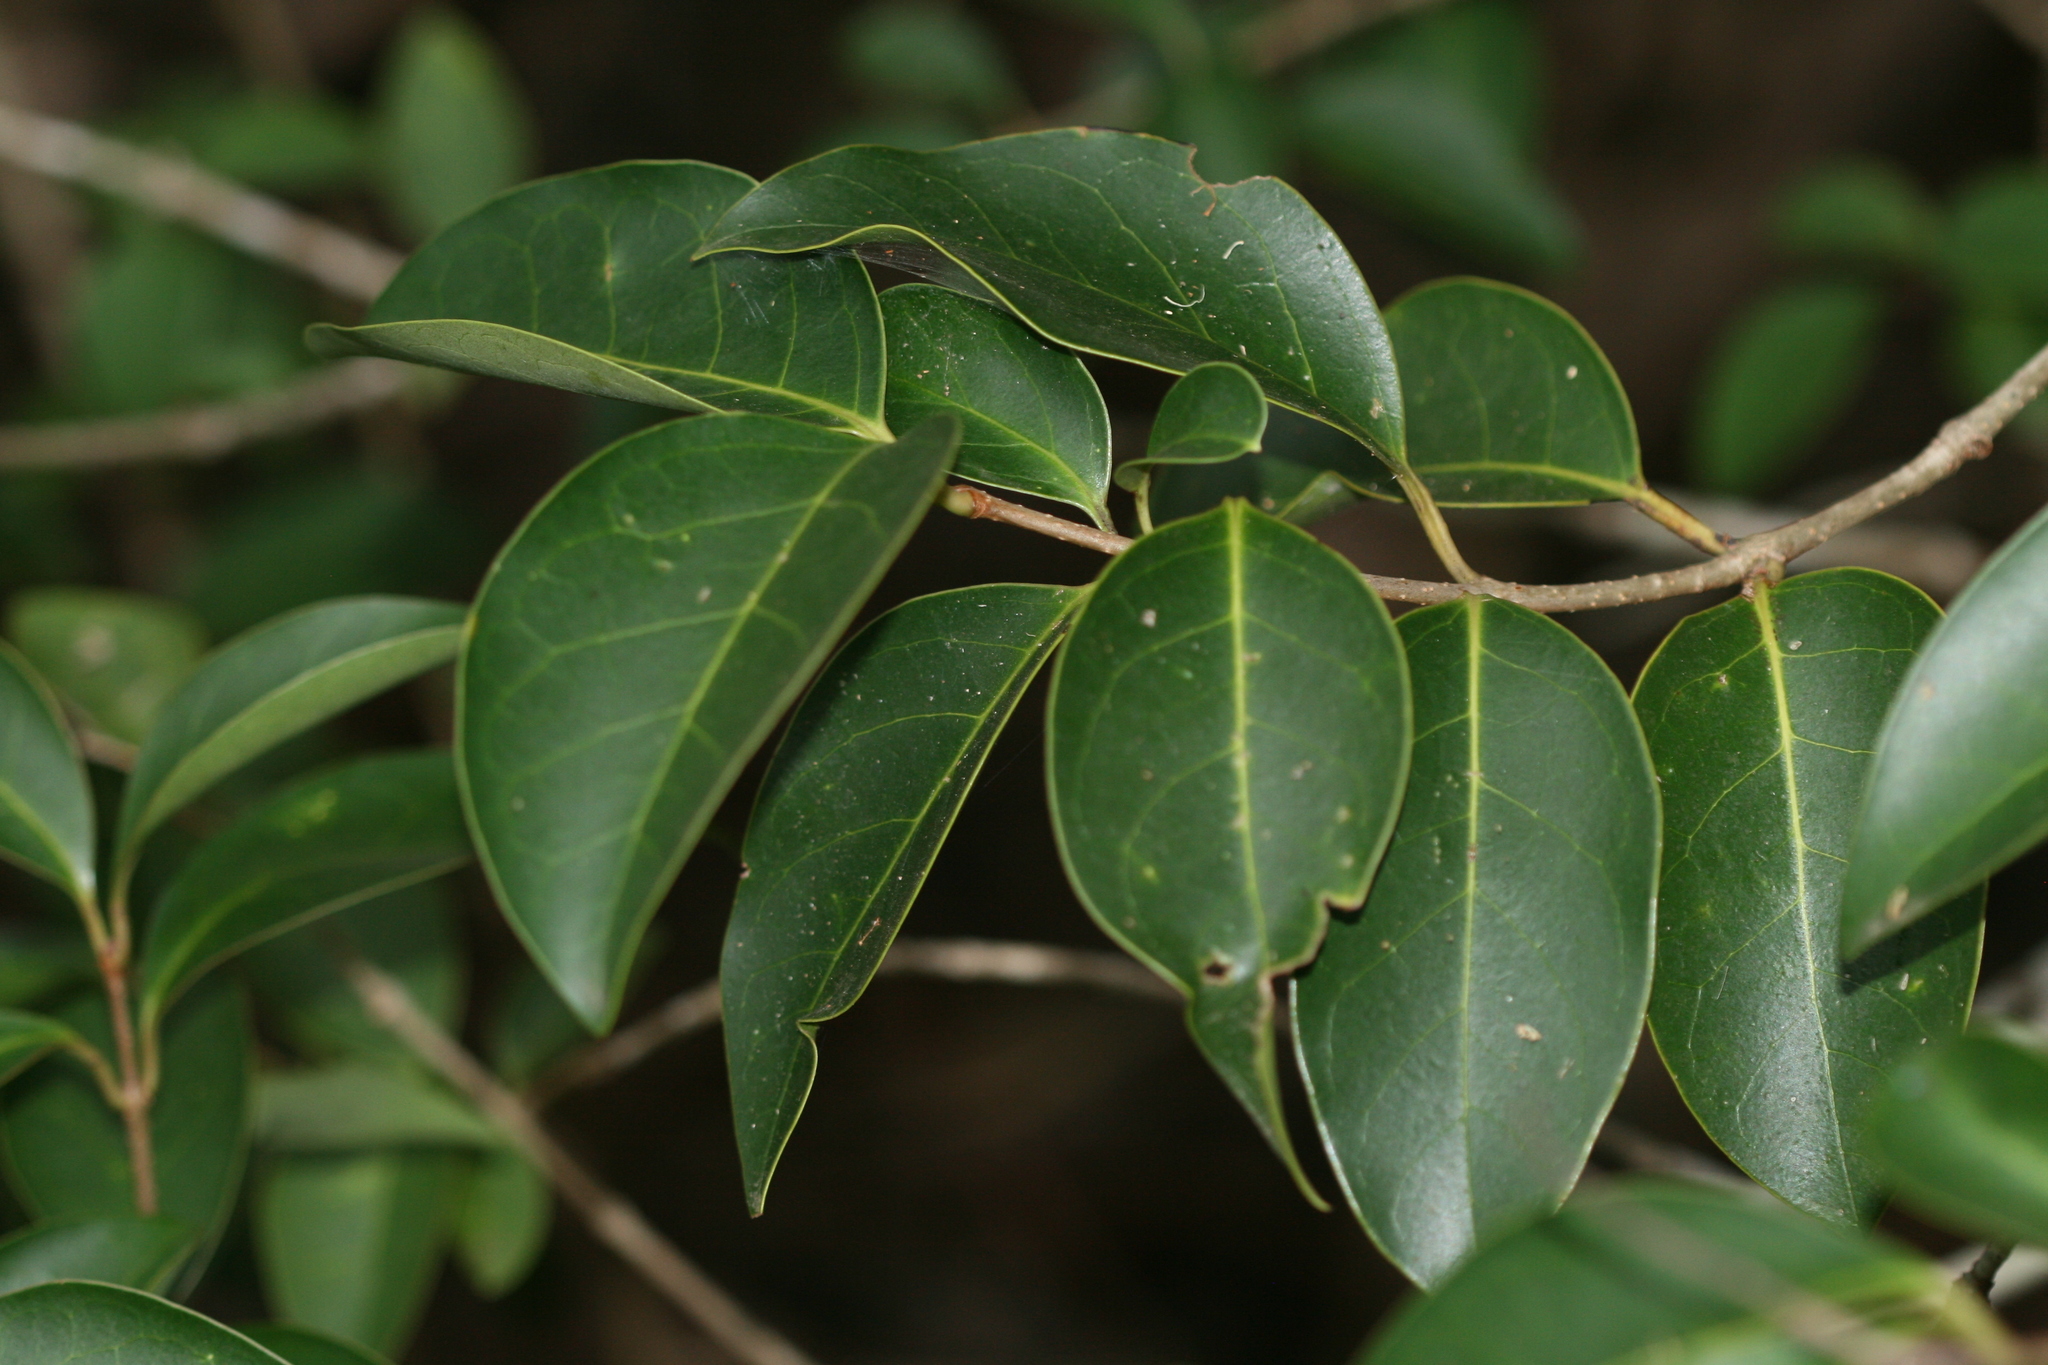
{"points": [[1983, 1272], [343, 262], [205, 431], [609, 1217], [955, 959], [1293, 30]]}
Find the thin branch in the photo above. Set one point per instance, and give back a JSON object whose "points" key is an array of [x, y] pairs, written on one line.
{"points": [[1297, 28], [345, 263], [205, 431], [609, 1217], [1983, 1272], [974, 503], [1960, 441], [951, 959]]}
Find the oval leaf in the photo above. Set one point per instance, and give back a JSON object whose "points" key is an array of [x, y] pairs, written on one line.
{"points": [[344, 836], [1959, 787], [357, 1105], [303, 1346], [584, 282], [1963, 1134], [1214, 413], [116, 656], [502, 1229], [1642, 1270], [850, 817], [1463, 1037], [453, 129], [1031, 418], [261, 688], [1109, 243], [634, 643], [1760, 715], [1225, 751], [46, 815], [142, 1253], [70, 1322]]}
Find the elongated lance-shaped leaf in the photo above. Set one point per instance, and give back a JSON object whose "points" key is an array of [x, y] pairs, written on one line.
{"points": [[1110, 243], [1962, 1132], [1464, 1035], [1214, 413], [140, 1252], [340, 837], [634, 643], [1225, 752], [1760, 715], [72, 1321], [584, 282], [1031, 418], [26, 1037], [1959, 787], [298, 1345], [356, 1105], [850, 817], [508, 1208], [263, 687], [46, 816]]}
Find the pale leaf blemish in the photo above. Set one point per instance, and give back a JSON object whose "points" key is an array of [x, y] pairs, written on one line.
{"points": [[1528, 1033], [1148, 618]]}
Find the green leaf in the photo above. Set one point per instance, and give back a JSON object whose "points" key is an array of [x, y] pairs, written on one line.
{"points": [[1465, 1034], [453, 130], [65, 1151], [1984, 344], [339, 838], [303, 1346], [1488, 52], [117, 656], [1108, 243], [355, 1105], [40, 958], [851, 815], [1031, 418], [1303, 472], [633, 645], [73, 1322], [350, 1243], [1993, 250], [1962, 1132], [1959, 787], [582, 282], [1229, 120], [25, 1038], [503, 1226], [261, 688], [142, 1253], [1782, 376], [1510, 402], [1226, 745], [284, 141], [1859, 211], [46, 815], [1642, 1270], [923, 52], [1214, 413], [1761, 714], [530, 1026]]}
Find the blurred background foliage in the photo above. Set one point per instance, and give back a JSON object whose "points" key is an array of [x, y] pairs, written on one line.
{"points": [[1805, 231]]}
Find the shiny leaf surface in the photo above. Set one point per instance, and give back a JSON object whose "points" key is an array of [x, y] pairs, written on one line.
{"points": [[142, 1253], [1464, 1035], [1110, 243], [46, 815], [1226, 746], [303, 1346], [851, 815], [635, 642], [584, 282], [1214, 413], [1962, 1132], [1761, 715], [73, 1322]]}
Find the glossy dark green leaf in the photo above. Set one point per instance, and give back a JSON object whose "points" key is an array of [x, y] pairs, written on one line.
{"points": [[1214, 413], [25, 1038], [1962, 1132], [303, 1346], [635, 642], [1642, 1270], [1304, 471], [583, 282], [142, 1253], [1031, 418], [1226, 747], [1761, 714], [1784, 374], [850, 817], [339, 838], [930, 53], [1860, 211], [74, 1322], [507, 1210], [116, 656], [272, 683], [1464, 1035], [1109, 243], [1959, 787], [355, 1105], [453, 130], [1510, 402], [65, 1151], [46, 814], [350, 1243]]}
